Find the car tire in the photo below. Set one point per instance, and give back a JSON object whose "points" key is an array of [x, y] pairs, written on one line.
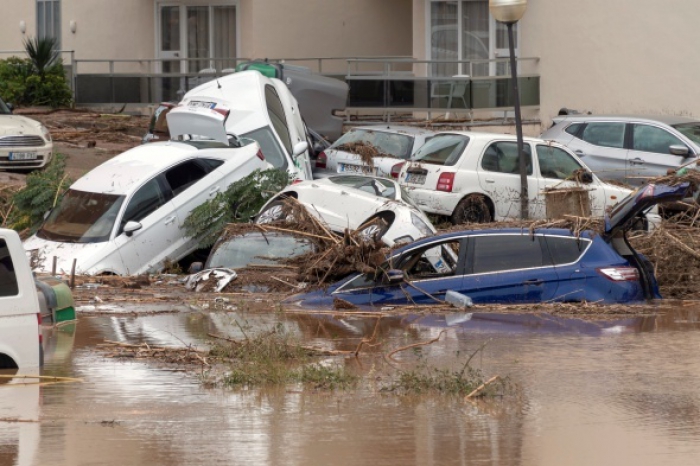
{"points": [[471, 209], [273, 213], [373, 229]]}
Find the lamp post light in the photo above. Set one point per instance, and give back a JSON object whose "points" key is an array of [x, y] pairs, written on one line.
{"points": [[510, 12]]}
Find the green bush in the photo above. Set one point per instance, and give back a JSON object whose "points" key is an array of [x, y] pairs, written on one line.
{"points": [[22, 85]]}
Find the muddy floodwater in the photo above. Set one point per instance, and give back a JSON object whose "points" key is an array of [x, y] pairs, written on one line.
{"points": [[594, 391]]}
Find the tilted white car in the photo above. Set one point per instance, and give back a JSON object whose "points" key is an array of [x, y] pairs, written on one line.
{"points": [[262, 109], [125, 216], [353, 202], [24, 143], [475, 177], [396, 144]]}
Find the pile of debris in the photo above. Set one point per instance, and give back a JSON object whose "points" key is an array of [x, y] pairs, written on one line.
{"points": [[365, 150]]}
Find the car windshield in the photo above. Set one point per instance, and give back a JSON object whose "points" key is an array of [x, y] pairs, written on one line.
{"points": [[387, 144], [443, 149], [82, 217], [269, 146], [690, 130], [4, 109], [376, 186], [257, 248]]}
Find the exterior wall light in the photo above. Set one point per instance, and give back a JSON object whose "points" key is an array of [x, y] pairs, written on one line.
{"points": [[73, 26], [22, 27]]}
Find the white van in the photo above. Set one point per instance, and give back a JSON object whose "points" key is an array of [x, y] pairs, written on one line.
{"points": [[20, 318]]}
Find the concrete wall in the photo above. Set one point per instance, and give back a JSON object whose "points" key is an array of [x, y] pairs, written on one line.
{"points": [[14, 11]]}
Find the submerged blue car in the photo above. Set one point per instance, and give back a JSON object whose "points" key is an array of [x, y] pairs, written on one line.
{"points": [[514, 265]]}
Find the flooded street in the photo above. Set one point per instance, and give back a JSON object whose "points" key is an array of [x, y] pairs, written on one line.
{"points": [[604, 390]]}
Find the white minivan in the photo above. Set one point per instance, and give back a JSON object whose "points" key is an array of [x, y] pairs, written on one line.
{"points": [[20, 318]]}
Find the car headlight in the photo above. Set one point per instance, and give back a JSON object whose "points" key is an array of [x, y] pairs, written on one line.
{"points": [[45, 133], [421, 225]]}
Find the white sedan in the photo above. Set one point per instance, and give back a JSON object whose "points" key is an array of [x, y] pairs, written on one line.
{"points": [[475, 177], [126, 216], [378, 207]]}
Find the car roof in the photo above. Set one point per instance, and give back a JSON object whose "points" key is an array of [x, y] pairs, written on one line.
{"points": [[491, 231], [128, 170], [667, 119], [488, 136], [408, 130]]}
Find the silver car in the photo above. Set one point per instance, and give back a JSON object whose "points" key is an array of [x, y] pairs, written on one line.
{"points": [[628, 148]]}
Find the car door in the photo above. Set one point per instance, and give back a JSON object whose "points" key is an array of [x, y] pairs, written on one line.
{"points": [[565, 253], [601, 146], [557, 168], [429, 272], [508, 268], [499, 176], [192, 183], [147, 248], [650, 154]]}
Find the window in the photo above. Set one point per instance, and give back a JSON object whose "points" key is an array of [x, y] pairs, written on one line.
{"points": [[393, 144], [146, 201], [8, 279], [556, 162], [605, 134], [689, 130], [184, 175], [442, 150], [497, 253], [277, 116], [566, 250], [48, 20], [652, 139], [574, 129], [438, 261], [269, 146], [503, 157]]}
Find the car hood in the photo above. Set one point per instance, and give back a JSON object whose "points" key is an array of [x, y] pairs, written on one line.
{"points": [[622, 216], [15, 124], [197, 121], [87, 255]]}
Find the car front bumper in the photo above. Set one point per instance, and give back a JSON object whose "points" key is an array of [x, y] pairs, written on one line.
{"points": [[41, 156]]}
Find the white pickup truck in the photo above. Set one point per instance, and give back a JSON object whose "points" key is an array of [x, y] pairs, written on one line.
{"points": [[20, 313]]}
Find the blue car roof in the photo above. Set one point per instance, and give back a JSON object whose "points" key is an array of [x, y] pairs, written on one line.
{"points": [[490, 231]]}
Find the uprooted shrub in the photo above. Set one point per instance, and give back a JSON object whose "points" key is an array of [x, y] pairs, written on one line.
{"points": [[238, 204]]}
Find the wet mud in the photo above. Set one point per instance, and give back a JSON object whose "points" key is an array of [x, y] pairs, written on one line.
{"points": [[612, 389]]}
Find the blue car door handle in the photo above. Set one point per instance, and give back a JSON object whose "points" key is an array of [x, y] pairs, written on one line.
{"points": [[534, 281]]}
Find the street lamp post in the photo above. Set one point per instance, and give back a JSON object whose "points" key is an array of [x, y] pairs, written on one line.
{"points": [[510, 12]]}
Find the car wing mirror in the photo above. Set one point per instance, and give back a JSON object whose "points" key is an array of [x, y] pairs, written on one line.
{"points": [[395, 276], [299, 148], [678, 149], [586, 177], [131, 227]]}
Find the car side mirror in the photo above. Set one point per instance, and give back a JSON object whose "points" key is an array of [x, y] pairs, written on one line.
{"points": [[395, 276], [677, 149], [586, 177], [299, 148], [131, 227]]}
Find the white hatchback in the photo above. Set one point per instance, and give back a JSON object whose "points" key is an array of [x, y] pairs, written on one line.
{"points": [[126, 216], [475, 177], [24, 143], [378, 207]]}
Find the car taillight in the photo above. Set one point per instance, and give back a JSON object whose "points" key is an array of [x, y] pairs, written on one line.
{"points": [[321, 160], [445, 182], [620, 274], [38, 319], [260, 155], [297, 180], [396, 169]]}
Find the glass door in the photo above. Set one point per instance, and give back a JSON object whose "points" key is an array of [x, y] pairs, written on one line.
{"points": [[169, 46], [198, 39]]}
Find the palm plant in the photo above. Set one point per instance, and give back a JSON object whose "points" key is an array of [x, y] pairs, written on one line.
{"points": [[42, 52]]}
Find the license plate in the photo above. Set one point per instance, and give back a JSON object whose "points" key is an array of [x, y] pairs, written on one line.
{"points": [[200, 104], [345, 168], [23, 155], [415, 178]]}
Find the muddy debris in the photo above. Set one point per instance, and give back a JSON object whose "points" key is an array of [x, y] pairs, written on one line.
{"points": [[365, 150], [87, 129]]}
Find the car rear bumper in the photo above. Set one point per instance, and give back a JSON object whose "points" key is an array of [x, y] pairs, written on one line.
{"points": [[434, 202]]}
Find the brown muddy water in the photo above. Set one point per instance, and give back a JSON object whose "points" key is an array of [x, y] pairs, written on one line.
{"points": [[596, 391]]}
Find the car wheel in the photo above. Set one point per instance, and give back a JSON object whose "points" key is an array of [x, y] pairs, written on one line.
{"points": [[275, 212], [373, 230], [471, 209]]}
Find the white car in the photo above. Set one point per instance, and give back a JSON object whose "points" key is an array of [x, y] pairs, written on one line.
{"points": [[475, 177], [262, 109], [396, 143], [24, 143], [354, 202], [126, 216]]}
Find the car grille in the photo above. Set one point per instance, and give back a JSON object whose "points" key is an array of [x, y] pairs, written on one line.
{"points": [[21, 141]]}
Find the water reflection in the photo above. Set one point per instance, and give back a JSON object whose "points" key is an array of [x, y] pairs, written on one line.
{"points": [[594, 390]]}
